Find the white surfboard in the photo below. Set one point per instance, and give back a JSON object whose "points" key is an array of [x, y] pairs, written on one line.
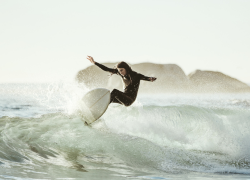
{"points": [[94, 104]]}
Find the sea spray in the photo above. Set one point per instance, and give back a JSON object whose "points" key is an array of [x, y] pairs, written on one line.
{"points": [[158, 136]]}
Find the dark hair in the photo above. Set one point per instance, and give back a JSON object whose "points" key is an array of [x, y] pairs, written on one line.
{"points": [[124, 65]]}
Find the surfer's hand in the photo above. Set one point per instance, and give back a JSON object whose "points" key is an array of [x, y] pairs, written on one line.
{"points": [[152, 79], [91, 59]]}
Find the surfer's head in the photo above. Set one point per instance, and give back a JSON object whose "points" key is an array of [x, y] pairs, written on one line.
{"points": [[122, 71], [123, 68]]}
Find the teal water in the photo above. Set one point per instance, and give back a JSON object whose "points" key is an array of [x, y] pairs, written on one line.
{"points": [[170, 136]]}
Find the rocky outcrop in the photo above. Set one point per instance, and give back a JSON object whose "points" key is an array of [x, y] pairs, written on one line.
{"points": [[170, 78], [211, 81]]}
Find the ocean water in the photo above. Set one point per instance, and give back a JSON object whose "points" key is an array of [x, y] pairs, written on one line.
{"points": [[161, 136]]}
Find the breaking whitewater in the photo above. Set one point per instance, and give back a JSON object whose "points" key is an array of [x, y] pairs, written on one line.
{"points": [[163, 136]]}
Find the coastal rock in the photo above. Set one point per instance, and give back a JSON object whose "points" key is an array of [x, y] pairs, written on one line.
{"points": [[94, 77], [212, 81], [170, 78]]}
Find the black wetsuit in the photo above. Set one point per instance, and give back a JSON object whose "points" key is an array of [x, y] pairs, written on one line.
{"points": [[131, 84]]}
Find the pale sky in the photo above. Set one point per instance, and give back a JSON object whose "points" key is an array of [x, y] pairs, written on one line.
{"points": [[48, 40]]}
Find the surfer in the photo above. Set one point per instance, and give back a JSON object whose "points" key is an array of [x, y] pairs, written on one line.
{"points": [[131, 81]]}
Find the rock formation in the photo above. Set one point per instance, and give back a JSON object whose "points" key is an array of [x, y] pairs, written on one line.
{"points": [[211, 81], [170, 78]]}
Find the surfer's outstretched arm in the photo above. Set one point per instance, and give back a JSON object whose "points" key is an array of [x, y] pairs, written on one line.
{"points": [[145, 78], [104, 68], [113, 71]]}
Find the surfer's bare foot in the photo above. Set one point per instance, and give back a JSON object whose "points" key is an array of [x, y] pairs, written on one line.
{"points": [[91, 59]]}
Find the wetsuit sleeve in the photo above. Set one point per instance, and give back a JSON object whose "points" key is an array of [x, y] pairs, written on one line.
{"points": [[104, 68], [145, 78]]}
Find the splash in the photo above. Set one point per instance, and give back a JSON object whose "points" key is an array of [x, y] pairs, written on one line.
{"points": [[157, 135]]}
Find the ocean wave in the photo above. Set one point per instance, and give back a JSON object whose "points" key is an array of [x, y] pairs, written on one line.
{"points": [[139, 138], [42, 135]]}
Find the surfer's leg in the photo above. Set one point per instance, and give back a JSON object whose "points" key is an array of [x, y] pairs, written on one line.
{"points": [[121, 98]]}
